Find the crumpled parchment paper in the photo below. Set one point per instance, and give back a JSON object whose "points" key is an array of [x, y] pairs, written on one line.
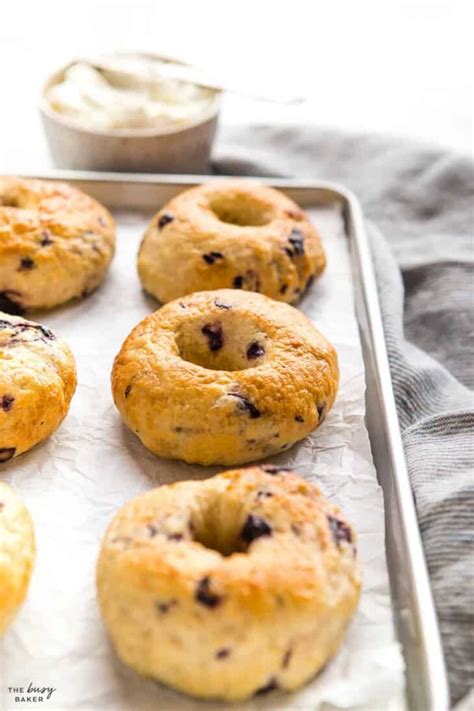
{"points": [[74, 483]]}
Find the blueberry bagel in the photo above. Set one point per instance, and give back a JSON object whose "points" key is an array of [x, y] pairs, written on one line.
{"points": [[230, 234], [17, 552], [56, 244], [229, 587], [37, 382], [224, 377]]}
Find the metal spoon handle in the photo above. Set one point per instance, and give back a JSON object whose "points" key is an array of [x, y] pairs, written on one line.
{"points": [[187, 73]]}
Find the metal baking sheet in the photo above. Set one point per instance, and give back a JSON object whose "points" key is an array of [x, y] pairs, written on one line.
{"points": [[413, 607]]}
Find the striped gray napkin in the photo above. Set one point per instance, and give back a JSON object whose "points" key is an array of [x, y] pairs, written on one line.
{"points": [[421, 199]]}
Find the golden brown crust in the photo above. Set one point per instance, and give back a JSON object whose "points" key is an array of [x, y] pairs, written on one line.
{"points": [[230, 234], [225, 586], [56, 243], [17, 552], [224, 377], [37, 382]]}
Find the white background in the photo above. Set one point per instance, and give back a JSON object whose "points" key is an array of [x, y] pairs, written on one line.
{"points": [[394, 66]]}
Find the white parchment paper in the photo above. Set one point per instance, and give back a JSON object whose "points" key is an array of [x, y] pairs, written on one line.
{"points": [[74, 483]]}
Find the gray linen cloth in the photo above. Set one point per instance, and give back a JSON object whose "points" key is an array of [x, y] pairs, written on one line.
{"points": [[421, 199]]}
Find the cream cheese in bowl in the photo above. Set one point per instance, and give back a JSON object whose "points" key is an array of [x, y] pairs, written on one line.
{"points": [[135, 113], [128, 92]]}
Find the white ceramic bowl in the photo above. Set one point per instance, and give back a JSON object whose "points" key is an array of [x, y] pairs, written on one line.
{"points": [[140, 150]]}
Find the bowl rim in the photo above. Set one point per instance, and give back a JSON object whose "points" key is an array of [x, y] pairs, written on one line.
{"points": [[45, 108]]}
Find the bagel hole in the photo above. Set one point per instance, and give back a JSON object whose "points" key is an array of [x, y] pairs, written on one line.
{"points": [[222, 544], [216, 524], [8, 201], [223, 342], [240, 209]]}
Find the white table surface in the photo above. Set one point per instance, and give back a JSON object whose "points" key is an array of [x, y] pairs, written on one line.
{"points": [[392, 66]]}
